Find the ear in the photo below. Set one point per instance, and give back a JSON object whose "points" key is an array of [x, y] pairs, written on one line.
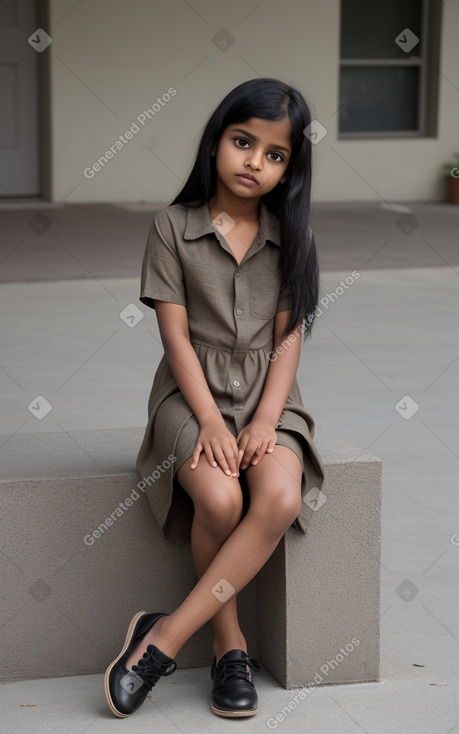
{"points": [[283, 180]]}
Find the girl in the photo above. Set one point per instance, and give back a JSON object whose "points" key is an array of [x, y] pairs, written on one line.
{"points": [[231, 269]]}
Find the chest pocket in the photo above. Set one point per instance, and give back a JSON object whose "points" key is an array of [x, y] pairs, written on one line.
{"points": [[264, 294]]}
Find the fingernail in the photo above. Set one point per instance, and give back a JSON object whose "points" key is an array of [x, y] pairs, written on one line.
{"points": [[228, 471], [214, 464], [234, 474]]}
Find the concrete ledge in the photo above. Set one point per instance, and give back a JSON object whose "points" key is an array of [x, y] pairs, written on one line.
{"points": [[66, 603], [319, 593]]}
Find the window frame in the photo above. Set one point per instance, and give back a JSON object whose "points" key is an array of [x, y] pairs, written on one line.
{"points": [[426, 62]]}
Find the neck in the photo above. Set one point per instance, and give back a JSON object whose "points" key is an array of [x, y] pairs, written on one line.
{"points": [[235, 206]]}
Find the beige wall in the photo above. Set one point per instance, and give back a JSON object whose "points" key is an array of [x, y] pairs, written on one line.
{"points": [[111, 60]]}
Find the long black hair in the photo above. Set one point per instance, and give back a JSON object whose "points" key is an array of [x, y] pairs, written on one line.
{"points": [[270, 99]]}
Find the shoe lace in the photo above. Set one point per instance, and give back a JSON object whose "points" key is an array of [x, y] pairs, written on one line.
{"points": [[150, 669], [229, 669]]}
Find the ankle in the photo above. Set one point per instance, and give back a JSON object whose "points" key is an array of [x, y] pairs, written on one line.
{"points": [[163, 638], [223, 645], [159, 627]]}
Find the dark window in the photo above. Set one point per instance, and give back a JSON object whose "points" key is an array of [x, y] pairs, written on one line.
{"points": [[389, 67]]}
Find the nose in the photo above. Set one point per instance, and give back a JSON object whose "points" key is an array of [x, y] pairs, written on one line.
{"points": [[254, 160]]}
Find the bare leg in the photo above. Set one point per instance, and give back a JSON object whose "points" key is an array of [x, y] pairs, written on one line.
{"points": [[217, 501], [211, 527], [227, 632], [275, 501]]}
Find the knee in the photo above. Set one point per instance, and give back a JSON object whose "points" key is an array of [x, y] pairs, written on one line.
{"points": [[280, 507], [220, 511]]}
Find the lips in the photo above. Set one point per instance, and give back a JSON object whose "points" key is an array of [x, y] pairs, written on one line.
{"points": [[247, 175]]}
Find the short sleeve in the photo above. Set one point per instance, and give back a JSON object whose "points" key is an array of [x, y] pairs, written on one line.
{"points": [[162, 273]]}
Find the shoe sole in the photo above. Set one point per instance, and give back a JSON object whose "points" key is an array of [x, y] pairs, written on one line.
{"points": [[127, 641], [233, 714]]}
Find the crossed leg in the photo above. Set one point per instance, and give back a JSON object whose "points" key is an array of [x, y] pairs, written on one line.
{"points": [[217, 501], [228, 552]]}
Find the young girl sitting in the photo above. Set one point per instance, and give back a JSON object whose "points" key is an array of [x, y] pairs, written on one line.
{"points": [[231, 269]]}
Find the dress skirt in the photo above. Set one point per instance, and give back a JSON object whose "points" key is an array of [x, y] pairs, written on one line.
{"points": [[170, 438]]}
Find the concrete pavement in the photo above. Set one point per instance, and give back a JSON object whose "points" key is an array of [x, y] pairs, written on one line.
{"points": [[381, 370]]}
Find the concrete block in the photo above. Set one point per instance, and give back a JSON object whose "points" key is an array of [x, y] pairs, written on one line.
{"points": [[68, 594], [319, 594]]}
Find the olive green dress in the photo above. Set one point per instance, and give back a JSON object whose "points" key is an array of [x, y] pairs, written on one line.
{"points": [[231, 311]]}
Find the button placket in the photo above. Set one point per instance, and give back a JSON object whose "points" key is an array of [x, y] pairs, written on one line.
{"points": [[240, 306], [240, 309]]}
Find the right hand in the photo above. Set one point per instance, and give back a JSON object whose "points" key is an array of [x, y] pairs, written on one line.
{"points": [[219, 446]]}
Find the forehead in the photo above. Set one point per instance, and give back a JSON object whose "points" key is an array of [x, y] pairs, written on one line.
{"points": [[268, 131]]}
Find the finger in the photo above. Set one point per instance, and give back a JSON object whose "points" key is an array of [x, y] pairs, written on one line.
{"points": [[231, 453], [221, 459], [242, 442], [196, 455], [210, 455], [248, 454], [236, 450], [243, 438], [272, 442], [261, 450], [239, 457]]}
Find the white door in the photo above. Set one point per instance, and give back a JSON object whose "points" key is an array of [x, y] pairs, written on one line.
{"points": [[19, 118]]}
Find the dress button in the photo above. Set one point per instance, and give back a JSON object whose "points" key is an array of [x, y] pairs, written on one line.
{"points": [[236, 383], [259, 241], [279, 424], [239, 311], [238, 275]]}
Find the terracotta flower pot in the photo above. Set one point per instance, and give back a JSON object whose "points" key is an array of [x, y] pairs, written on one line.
{"points": [[453, 189]]}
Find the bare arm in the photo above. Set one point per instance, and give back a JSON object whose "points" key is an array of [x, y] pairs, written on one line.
{"points": [[217, 442], [281, 372], [259, 436]]}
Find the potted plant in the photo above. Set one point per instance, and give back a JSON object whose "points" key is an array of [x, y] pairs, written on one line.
{"points": [[451, 170]]}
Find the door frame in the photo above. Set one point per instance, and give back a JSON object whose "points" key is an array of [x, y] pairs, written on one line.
{"points": [[44, 107]]}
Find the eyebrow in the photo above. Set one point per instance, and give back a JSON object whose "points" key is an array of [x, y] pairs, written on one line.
{"points": [[254, 137]]}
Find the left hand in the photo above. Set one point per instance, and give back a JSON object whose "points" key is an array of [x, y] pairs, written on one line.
{"points": [[255, 439]]}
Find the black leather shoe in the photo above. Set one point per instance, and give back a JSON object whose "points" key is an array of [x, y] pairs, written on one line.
{"points": [[126, 690], [233, 692]]}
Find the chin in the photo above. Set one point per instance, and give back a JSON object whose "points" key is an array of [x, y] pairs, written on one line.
{"points": [[243, 193]]}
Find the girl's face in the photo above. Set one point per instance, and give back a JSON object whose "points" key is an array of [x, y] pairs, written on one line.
{"points": [[257, 148]]}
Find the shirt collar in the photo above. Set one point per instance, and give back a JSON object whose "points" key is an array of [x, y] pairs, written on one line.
{"points": [[198, 223]]}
